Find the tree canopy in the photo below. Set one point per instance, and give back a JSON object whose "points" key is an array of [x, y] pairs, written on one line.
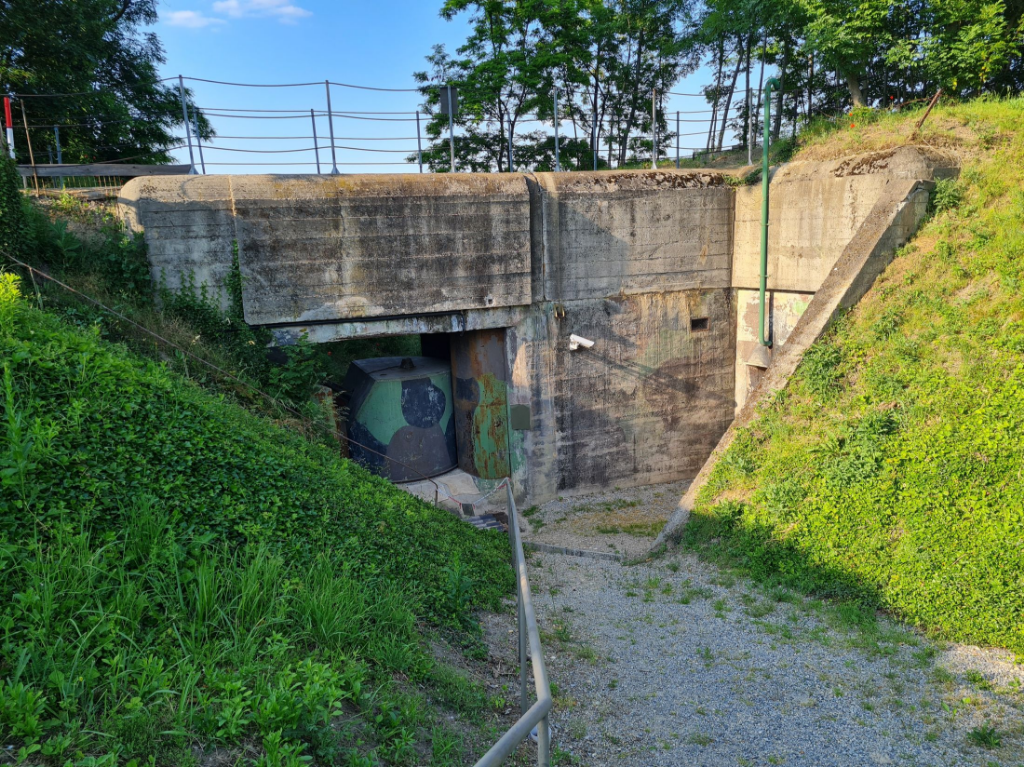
{"points": [[97, 53], [609, 58]]}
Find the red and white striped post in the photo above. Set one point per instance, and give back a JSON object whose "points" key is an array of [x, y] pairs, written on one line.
{"points": [[9, 122]]}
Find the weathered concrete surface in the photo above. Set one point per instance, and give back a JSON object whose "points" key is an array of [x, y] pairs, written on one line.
{"points": [[655, 266], [783, 312], [626, 259], [815, 209], [612, 232], [189, 226], [315, 248], [894, 218]]}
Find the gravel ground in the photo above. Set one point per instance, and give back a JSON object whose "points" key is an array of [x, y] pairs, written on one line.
{"points": [[677, 663], [619, 521]]}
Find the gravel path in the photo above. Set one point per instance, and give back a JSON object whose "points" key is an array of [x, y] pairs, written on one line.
{"points": [[677, 663]]}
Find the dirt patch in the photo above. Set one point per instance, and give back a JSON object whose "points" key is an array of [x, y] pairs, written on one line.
{"points": [[619, 521]]}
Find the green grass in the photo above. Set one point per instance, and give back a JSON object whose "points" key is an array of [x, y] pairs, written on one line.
{"points": [[176, 572], [888, 471]]}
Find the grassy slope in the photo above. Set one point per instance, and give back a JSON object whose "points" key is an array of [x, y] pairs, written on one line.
{"points": [[891, 469], [171, 565]]}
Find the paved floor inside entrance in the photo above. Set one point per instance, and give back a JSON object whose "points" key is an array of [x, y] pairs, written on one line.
{"points": [[675, 662]]}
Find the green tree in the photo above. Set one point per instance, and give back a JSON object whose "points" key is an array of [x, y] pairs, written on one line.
{"points": [[98, 51], [497, 73]]}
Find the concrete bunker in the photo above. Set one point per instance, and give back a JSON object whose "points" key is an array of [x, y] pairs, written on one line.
{"points": [[495, 272]]}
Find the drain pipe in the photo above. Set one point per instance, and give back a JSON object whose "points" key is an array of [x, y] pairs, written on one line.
{"points": [[760, 357]]}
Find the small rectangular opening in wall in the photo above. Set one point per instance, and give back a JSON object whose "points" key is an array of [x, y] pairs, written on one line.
{"points": [[698, 324]]}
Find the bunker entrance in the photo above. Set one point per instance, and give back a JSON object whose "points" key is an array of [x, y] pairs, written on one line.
{"points": [[425, 414]]}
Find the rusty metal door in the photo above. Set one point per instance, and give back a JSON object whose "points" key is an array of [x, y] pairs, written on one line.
{"points": [[480, 379]]}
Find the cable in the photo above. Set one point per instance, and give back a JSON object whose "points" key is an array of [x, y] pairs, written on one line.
{"points": [[304, 112], [296, 164], [310, 138], [252, 85], [388, 90]]}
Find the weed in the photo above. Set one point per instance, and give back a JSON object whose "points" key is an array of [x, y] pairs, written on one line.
{"points": [[699, 739], [984, 736]]}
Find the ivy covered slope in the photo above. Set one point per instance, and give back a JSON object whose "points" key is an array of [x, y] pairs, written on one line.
{"points": [[177, 573], [891, 469]]}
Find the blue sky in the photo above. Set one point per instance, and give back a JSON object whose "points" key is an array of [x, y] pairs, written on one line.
{"points": [[296, 41]]}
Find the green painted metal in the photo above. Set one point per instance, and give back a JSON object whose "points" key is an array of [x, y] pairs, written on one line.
{"points": [[401, 409], [480, 382], [772, 83]]}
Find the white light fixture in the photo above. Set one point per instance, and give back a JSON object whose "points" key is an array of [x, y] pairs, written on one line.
{"points": [[575, 342]]}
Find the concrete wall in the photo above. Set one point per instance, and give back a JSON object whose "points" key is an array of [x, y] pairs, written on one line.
{"points": [[189, 224], [314, 248], [627, 259]]}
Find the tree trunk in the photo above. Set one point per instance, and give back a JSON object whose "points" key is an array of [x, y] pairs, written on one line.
{"points": [[746, 95], [760, 80], [732, 89], [855, 93], [777, 121], [718, 93]]}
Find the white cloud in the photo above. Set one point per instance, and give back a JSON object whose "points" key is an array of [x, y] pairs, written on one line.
{"points": [[191, 19], [282, 10]]}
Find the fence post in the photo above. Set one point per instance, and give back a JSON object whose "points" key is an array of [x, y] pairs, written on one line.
{"points": [[28, 140], [558, 165], [60, 157], [316, 143], [511, 167], [419, 141], [654, 129], [678, 137], [199, 142], [10, 126], [451, 131], [188, 128], [330, 128]]}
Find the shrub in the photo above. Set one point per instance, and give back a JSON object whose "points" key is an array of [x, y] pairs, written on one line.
{"points": [[13, 226]]}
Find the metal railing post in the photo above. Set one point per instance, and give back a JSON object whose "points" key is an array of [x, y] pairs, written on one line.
{"points": [[654, 128], [524, 702], [188, 127], [677, 139], [451, 130], [199, 143], [330, 128], [60, 157], [316, 143], [529, 649], [558, 165], [419, 141]]}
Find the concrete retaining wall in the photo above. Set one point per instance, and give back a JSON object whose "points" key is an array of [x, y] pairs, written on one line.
{"points": [[891, 222]]}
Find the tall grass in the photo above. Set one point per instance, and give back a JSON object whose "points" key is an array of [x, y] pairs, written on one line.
{"points": [[889, 470]]}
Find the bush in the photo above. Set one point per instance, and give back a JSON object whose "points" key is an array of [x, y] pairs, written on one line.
{"points": [[12, 215]]}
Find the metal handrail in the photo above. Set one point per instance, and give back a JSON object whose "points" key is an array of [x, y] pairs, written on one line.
{"points": [[537, 714]]}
